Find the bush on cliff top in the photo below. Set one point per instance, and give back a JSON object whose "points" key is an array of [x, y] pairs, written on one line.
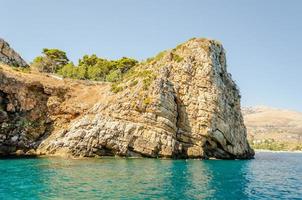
{"points": [[89, 67], [98, 69], [92, 67], [51, 61]]}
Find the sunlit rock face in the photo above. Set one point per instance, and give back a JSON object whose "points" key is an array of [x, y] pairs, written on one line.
{"points": [[180, 104], [9, 56]]}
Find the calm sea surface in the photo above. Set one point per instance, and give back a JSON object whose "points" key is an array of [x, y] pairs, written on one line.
{"points": [[269, 176]]}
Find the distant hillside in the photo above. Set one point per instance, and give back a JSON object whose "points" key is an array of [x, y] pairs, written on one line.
{"points": [[272, 128]]}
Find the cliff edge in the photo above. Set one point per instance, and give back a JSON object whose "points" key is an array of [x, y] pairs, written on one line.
{"points": [[181, 104], [9, 56]]}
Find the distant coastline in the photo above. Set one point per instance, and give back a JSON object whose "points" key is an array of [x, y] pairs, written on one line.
{"points": [[278, 151]]}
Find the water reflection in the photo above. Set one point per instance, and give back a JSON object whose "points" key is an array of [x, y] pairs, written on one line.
{"points": [[55, 178], [146, 178], [186, 180], [228, 180]]}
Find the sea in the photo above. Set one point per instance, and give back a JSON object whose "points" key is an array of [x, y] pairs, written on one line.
{"points": [[268, 176]]}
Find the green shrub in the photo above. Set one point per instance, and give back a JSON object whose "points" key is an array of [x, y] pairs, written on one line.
{"points": [[23, 122], [269, 145], [96, 73], [132, 74], [114, 76], [22, 69], [116, 88], [51, 61], [124, 64], [90, 67], [159, 56], [298, 148], [148, 60], [146, 83], [147, 75], [68, 70], [81, 72], [133, 83], [177, 58], [98, 69], [89, 60], [147, 101]]}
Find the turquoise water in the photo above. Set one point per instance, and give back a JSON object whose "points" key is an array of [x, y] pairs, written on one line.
{"points": [[269, 176]]}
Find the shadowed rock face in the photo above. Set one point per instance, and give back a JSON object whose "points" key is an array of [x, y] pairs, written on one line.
{"points": [[181, 104], [9, 56]]}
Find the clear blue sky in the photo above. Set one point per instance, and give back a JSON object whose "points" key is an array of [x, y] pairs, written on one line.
{"points": [[263, 39]]}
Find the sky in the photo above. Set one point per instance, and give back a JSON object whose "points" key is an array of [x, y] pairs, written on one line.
{"points": [[263, 39]]}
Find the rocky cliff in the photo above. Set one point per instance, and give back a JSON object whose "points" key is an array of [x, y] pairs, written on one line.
{"points": [[9, 56], [180, 104]]}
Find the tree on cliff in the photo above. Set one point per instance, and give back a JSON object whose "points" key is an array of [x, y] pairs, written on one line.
{"points": [[51, 61], [98, 69]]}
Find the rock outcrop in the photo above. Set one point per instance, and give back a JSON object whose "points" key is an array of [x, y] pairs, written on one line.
{"points": [[180, 104], [9, 56]]}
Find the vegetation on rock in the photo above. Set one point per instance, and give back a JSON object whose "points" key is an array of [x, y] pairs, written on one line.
{"points": [[177, 58], [147, 101], [116, 88], [159, 56], [98, 69], [51, 61], [89, 67]]}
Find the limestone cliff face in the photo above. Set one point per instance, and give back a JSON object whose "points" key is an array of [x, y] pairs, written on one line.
{"points": [[180, 104], [9, 56]]}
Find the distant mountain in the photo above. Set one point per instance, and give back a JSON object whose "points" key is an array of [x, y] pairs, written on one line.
{"points": [[272, 125]]}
